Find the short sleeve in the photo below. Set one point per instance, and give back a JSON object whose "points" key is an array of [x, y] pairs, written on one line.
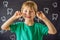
{"points": [[43, 29], [13, 27]]}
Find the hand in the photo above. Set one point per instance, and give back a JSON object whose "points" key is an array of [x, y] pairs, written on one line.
{"points": [[17, 14], [41, 15]]}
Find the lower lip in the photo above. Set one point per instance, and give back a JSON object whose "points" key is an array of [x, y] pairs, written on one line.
{"points": [[28, 16]]}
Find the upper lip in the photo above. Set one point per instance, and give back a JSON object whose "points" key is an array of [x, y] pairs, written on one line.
{"points": [[28, 16]]}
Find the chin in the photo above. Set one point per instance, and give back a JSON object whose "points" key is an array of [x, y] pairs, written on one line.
{"points": [[28, 18]]}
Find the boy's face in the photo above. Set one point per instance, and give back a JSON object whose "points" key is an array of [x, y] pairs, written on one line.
{"points": [[28, 13]]}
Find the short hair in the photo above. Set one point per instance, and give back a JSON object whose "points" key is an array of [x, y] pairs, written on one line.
{"points": [[30, 4]]}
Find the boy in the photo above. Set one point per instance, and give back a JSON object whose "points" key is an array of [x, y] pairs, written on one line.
{"points": [[29, 30]]}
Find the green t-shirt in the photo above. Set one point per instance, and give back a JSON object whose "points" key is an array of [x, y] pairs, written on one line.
{"points": [[25, 32]]}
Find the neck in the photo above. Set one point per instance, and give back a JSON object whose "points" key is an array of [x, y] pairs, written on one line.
{"points": [[29, 22]]}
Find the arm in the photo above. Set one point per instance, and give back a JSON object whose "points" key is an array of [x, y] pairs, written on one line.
{"points": [[5, 26], [50, 26]]}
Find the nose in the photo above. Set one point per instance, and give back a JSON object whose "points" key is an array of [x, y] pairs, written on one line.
{"points": [[29, 13]]}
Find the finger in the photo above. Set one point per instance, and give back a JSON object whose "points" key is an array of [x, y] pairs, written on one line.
{"points": [[16, 13], [19, 13], [43, 15], [37, 13], [42, 12]]}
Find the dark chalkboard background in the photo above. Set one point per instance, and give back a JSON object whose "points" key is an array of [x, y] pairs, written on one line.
{"points": [[51, 9]]}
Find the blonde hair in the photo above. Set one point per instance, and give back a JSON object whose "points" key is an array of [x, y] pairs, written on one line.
{"points": [[30, 4]]}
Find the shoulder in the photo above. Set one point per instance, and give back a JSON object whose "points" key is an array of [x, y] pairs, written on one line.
{"points": [[17, 23], [39, 25]]}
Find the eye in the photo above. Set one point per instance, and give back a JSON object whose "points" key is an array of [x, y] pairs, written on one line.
{"points": [[31, 11], [25, 10]]}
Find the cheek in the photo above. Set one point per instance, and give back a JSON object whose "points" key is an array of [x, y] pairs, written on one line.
{"points": [[24, 14], [33, 15]]}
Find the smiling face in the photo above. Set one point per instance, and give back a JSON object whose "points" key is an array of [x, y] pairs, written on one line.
{"points": [[28, 9], [28, 13]]}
